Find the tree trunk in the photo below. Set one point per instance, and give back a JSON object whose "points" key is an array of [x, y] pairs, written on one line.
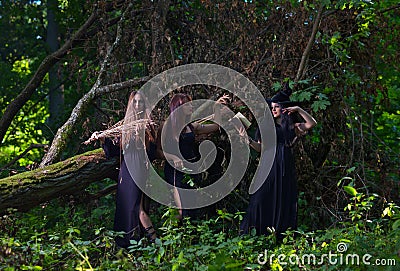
{"points": [[56, 93], [311, 42], [26, 190]]}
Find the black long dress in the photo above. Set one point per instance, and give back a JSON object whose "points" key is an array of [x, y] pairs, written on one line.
{"points": [[187, 147], [129, 195], [274, 205]]}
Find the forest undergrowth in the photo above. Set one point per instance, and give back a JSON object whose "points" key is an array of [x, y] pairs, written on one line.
{"points": [[66, 234]]}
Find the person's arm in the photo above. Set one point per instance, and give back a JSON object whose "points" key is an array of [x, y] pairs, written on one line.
{"points": [[309, 123], [205, 128], [178, 163], [256, 145], [112, 148], [213, 127]]}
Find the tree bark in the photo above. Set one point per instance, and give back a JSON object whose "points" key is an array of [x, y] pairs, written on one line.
{"points": [[29, 189], [56, 89], [311, 41], [14, 106]]}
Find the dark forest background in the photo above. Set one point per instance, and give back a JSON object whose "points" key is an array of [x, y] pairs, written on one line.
{"points": [[67, 68]]}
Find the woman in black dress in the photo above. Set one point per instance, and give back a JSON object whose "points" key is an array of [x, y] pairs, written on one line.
{"points": [[187, 145], [131, 214], [274, 205]]}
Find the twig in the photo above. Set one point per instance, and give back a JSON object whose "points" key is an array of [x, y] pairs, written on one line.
{"points": [[106, 191], [84, 257], [117, 129]]}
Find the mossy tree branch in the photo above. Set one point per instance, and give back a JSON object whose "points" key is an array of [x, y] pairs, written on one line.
{"points": [[29, 189]]}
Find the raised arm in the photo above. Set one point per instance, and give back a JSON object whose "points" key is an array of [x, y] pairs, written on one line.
{"points": [[205, 128], [309, 123], [211, 128]]}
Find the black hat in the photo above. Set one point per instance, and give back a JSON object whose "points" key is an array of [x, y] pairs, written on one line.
{"points": [[282, 97]]}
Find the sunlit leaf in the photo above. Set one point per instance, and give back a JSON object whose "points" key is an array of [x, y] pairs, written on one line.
{"points": [[350, 190]]}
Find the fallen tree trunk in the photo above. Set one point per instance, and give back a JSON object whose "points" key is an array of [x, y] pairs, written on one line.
{"points": [[29, 189]]}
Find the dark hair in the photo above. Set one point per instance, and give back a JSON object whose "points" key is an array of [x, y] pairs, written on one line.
{"points": [[176, 119], [287, 124], [287, 121]]}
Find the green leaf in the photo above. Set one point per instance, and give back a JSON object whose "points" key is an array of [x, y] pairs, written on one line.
{"points": [[396, 224], [350, 190], [304, 96], [318, 105]]}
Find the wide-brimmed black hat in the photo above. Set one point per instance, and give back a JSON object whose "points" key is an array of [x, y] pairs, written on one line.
{"points": [[282, 97]]}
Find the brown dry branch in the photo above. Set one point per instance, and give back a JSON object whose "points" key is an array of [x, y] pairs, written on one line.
{"points": [[311, 41], [118, 129]]}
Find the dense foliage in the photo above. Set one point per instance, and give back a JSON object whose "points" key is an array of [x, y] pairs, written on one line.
{"points": [[348, 166], [66, 235]]}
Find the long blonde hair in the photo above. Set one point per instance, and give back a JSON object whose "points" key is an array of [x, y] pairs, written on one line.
{"points": [[135, 122]]}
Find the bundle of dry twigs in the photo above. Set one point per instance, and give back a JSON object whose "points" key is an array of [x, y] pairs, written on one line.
{"points": [[117, 129]]}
